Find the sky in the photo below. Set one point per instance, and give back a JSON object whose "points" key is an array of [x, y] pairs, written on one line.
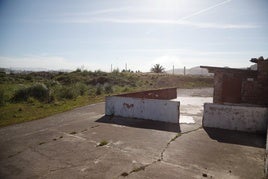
{"points": [[95, 34]]}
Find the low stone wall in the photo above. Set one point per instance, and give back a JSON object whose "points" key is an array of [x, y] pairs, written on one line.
{"points": [[233, 117], [152, 109], [168, 93]]}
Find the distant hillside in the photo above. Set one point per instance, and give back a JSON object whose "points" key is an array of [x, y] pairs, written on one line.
{"points": [[192, 71]]}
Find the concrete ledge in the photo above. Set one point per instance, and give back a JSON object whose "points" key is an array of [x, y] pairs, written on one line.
{"points": [[152, 109], [233, 117]]}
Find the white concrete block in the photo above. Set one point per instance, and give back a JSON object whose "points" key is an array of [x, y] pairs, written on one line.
{"points": [[233, 117], [152, 109]]}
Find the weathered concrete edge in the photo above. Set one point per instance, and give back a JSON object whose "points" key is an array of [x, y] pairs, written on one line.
{"points": [[151, 109], [234, 117]]}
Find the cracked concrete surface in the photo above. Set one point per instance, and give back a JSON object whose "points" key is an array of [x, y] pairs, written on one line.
{"points": [[65, 146]]}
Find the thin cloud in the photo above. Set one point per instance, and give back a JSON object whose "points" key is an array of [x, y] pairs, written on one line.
{"points": [[204, 10], [98, 12], [159, 22], [95, 17]]}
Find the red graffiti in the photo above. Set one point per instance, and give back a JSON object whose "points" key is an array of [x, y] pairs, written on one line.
{"points": [[128, 105]]}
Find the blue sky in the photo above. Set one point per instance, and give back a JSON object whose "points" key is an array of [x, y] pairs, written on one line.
{"points": [[67, 34]]}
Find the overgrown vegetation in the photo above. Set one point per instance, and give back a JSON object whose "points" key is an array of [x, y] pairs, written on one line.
{"points": [[25, 97]]}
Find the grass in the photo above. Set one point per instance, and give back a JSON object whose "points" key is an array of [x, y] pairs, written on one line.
{"points": [[41, 143], [174, 138], [124, 174], [82, 87], [14, 113], [137, 169], [102, 143]]}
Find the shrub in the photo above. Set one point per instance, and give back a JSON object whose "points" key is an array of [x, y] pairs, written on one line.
{"points": [[52, 97], [82, 88], [31, 100], [20, 95], [98, 89], [126, 89], [68, 93], [2, 97], [37, 91], [108, 88]]}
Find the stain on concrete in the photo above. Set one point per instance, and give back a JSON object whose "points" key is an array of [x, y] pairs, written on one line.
{"points": [[128, 105]]}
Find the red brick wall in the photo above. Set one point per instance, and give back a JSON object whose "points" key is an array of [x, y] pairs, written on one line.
{"points": [[241, 86], [169, 93], [256, 91], [229, 86]]}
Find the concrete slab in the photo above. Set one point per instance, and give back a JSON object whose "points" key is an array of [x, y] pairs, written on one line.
{"points": [[66, 146], [218, 154]]}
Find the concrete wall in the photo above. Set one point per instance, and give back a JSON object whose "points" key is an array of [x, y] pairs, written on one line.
{"points": [[168, 93], [152, 109], [233, 117]]}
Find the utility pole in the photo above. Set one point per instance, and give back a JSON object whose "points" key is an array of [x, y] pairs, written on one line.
{"points": [[173, 70], [184, 71], [111, 68], [126, 67]]}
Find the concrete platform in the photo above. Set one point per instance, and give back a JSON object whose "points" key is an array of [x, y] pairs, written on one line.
{"points": [[66, 146]]}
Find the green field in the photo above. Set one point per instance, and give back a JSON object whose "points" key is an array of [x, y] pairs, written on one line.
{"points": [[26, 97]]}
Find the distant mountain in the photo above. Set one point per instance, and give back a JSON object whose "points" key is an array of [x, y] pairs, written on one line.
{"points": [[192, 71]]}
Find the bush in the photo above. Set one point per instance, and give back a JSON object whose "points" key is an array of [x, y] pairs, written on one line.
{"points": [[37, 91], [2, 97], [68, 93], [20, 95], [108, 88], [31, 100], [126, 89], [98, 89], [82, 88]]}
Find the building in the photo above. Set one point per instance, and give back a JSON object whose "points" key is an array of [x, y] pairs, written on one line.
{"points": [[240, 100], [243, 86]]}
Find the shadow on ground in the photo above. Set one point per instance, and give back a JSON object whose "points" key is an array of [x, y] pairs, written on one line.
{"points": [[235, 137], [138, 123]]}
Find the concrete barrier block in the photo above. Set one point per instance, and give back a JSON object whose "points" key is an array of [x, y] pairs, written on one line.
{"points": [[152, 109], [233, 117]]}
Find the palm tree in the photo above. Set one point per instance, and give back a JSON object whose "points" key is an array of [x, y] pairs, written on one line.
{"points": [[157, 68]]}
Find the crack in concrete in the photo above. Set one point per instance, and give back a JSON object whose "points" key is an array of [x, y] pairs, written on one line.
{"points": [[143, 167], [161, 159], [187, 132]]}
